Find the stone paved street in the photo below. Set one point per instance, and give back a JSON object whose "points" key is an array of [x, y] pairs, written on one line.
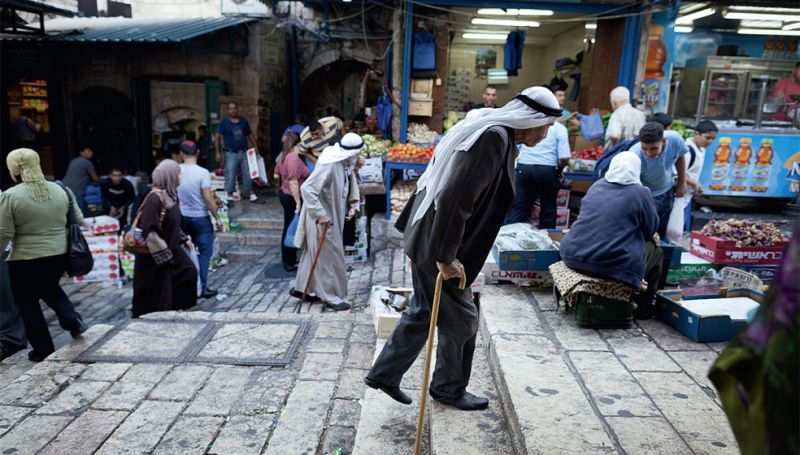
{"points": [[248, 375]]}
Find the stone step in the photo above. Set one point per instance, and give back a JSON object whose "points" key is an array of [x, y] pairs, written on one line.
{"points": [[385, 423], [242, 253], [261, 221], [251, 237]]}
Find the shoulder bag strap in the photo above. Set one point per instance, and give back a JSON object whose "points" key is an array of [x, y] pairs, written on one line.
{"points": [[71, 218], [161, 215]]}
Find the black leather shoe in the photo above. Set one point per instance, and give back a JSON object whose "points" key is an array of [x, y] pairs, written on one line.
{"points": [[34, 357], [337, 306], [208, 293], [6, 352], [299, 295], [393, 391], [78, 327], [289, 267], [467, 402], [643, 312]]}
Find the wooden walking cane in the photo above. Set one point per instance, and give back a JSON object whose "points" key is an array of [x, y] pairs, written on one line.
{"points": [[437, 296], [313, 266]]}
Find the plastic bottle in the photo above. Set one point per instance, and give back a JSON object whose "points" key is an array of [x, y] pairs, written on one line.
{"points": [[741, 167], [719, 169], [780, 49], [656, 54], [769, 48], [762, 166]]}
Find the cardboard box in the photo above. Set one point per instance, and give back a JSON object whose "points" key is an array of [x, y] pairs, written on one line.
{"points": [[725, 252], [103, 243], [689, 267], [421, 88], [98, 275], [479, 283], [536, 278], [422, 108], [126, 263], [526, 259], [223, 216], [764, 272], [562, 216], [372, 171], [581, 165], [385, 317], [562, 198], [721, 322], [256, 167], [103, 224]]}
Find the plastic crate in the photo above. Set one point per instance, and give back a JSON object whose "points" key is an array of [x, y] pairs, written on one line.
{"points": [[597, 312]]}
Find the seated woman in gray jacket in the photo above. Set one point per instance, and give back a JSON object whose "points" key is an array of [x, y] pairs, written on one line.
{"points": [[615, 236]]}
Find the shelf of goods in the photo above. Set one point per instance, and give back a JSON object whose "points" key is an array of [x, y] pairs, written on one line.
{"points": [[403, 157], [390, 166]]}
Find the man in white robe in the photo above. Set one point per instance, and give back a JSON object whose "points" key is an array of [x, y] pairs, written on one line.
{"points": [[327, 198]]}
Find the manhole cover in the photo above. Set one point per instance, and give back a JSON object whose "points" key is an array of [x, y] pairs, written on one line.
{"points": [[269, 343]]}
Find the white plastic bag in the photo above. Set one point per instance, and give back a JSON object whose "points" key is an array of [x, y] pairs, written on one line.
{"points": [[196, 261]]}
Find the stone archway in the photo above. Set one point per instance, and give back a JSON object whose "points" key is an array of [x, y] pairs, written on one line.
{"points": [[338, 87]]}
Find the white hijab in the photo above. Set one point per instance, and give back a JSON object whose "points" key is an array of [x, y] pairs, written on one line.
{"points": [[625, 169], [350, 145], [461, 137]]}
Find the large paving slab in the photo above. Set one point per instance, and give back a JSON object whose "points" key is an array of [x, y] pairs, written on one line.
{"points": [[32, 434], [142, 430], [302, 421], [85, 434]]}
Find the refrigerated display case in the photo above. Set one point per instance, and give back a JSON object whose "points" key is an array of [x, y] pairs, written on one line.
{"points": [[733, 85]]}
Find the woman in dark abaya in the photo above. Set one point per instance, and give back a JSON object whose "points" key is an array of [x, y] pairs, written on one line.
{"points": [[171, 286]]}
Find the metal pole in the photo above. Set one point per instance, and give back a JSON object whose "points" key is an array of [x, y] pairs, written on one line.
{"points": [[675, 98], [406, 71], [701, 105], [762, 94], [794, 123]]}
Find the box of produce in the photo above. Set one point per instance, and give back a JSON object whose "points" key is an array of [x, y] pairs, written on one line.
{"points": [[519, 246], [765, 273], [562, 216], [493, 275], [420, 133], [375, 147], [562, 199], [410, 153], [399, 195], [101, 243], [584, 160], [103, 224], [689, 267], [705, 319], [739, 242]]}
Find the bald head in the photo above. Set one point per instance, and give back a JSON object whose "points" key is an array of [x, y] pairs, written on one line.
{"points": [[620, 96]]}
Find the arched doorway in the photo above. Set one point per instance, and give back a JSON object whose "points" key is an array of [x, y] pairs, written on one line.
{"points": [[337, 87], [104, 122]]}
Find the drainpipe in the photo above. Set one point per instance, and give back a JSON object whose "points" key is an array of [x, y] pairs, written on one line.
{"points": [[406, 71], [293, 70]]}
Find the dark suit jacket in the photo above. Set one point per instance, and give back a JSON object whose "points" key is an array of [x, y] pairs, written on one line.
{"points": [[472, 206]]}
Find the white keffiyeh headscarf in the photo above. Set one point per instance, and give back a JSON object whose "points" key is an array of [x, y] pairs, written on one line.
{"points": [[535, 106], [346, 149], [625, 169]]}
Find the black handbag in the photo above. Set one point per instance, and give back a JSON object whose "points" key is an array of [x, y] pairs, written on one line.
{"points": [[79, 256]]}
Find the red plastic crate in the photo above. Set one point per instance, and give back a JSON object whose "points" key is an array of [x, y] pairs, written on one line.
{"points": [[725, 252]]}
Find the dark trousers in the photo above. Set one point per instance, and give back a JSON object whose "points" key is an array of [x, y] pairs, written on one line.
{"points": [[664, 203], [654, 263], [202, 232], [37, 279], [288, 254], [12, 331], [534, 181], [458, 326]]}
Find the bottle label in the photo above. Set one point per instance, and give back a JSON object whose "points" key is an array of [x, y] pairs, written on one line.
{"points": [[760, 176], [650, 92], [719, 172]]}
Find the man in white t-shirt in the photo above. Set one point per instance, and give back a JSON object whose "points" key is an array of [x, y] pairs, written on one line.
{"points": [[704, 134], [626, 121], [196, 200]]}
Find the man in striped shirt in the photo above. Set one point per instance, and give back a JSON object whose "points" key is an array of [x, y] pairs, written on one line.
{"points": [[318, 135]]}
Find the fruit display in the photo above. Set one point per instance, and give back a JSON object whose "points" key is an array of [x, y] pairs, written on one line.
{"points": [[585, 160], [681, 128], [399, 195], [374, 147], [417, 132], [450, 120], [410, 153], [745, 232]]}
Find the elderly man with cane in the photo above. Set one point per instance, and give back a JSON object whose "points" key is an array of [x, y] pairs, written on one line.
{"points": [[327, 197], [450, 224]]}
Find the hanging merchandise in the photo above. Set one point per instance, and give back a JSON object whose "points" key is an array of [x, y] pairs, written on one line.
{"points": [[512, 52], [424, 52], [591, 126], [384, 108], [573, 95]]}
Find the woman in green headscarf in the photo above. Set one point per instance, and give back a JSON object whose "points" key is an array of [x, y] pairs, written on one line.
{"points": [[33, 217]]}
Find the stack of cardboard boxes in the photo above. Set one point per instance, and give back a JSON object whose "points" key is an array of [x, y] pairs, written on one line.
{"points": [[562, 213], [218, 187], [358, 252], [457, 92], [102, 236]]}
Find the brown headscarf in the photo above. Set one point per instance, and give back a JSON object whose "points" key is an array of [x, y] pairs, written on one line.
{"points": [[25, 163], [166, 177]]}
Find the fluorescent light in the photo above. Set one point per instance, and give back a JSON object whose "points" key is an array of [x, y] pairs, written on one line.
{"points": [[691, 8], [760, 16], [760, 24], [484, 36], [689, 18], [591, 26], [767, 31], [767, 10], [794, 26], [514, 12], [683, 29], [506, 22]]}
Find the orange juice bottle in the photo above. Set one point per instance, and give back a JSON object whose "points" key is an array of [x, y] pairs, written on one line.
{"points": [[762, 166], [656, 54], [719, 170], [741, 167], [769, 48]]}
